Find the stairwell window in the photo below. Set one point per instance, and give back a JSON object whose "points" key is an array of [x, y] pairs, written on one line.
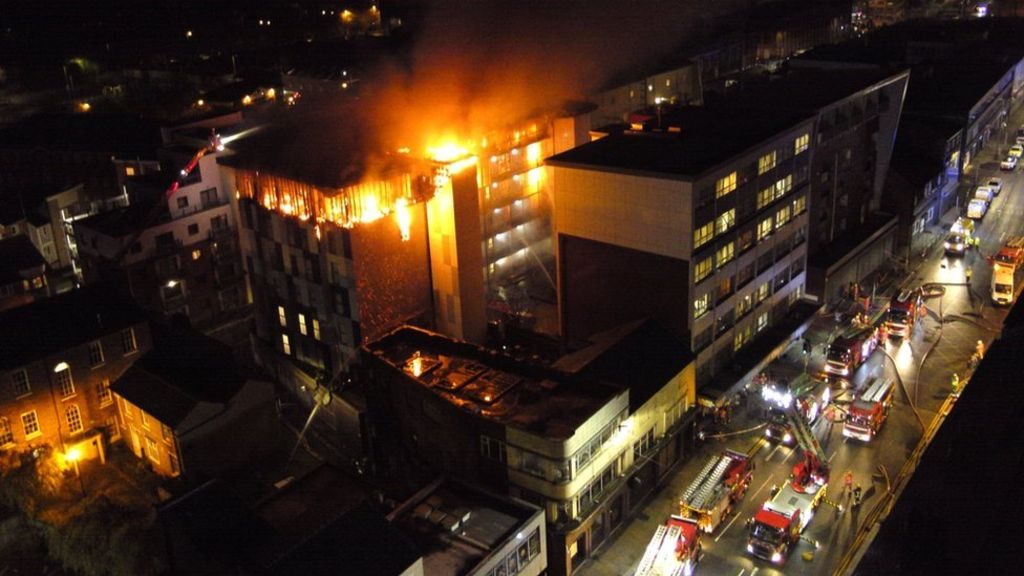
{"points": [[282, 318], [724, 186], [316, 329], [302, 324], [286, 345]]}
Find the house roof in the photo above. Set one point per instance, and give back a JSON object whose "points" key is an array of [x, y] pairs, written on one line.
{"points": [[61, 322], [183, 368], [17, 256]]}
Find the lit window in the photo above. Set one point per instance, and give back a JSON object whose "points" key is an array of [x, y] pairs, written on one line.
{"points": [[129, 170], [801, 143], [95, 353], [766, 163], [762, 292], [6, 433], [30, 422], [19, 380], [702, 235], [725, 220], [197, 254], [103, 392], [316, 328], [725, 185], [799, 205], [702, 270], [783, 185], [74, 419], [764, 229], [282, 318], [64, 381], [152, 450], [765, 197], [724, 254], [302, 324], [128, 344], [762, 321], [782, 216], [286, 346], [144, 418], [700, 305]]}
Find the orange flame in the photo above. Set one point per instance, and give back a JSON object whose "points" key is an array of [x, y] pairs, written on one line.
{"points": [[404, 217]]}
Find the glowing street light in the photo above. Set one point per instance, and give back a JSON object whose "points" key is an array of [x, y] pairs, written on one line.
{"points": [[74, 455]]}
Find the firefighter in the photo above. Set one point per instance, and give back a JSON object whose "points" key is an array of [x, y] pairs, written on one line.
{"points": [[956, 383], [847, 482], [979, 348], [856, 495], [968, 273]]}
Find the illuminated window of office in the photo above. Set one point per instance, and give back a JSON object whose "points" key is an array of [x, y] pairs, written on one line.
{"points": [[725, 253], [282, 318], [801, 144], [764, 228], [702, 270], [782, 216], [702, 235], [700, 305], [765, 197], [302, 324], [316, 328], [286, 345], [725, 221]]}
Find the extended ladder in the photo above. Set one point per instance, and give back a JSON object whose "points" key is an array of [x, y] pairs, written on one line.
{"points": [[710, 483], [647, 562]]}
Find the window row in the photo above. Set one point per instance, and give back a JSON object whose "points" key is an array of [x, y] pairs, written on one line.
{"points": [[63, 380], [31, 428], [517, 560], [304, 327]]}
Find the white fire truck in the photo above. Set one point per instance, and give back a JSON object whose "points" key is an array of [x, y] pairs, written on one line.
{"points": [[673, 551], [721, 483], [776, 528], [869, 411]]}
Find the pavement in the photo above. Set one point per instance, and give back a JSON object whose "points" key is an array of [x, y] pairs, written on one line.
{"points": [[958, 315]]}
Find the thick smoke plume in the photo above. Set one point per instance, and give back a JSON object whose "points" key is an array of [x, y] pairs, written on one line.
{"points": [[486, 64]]}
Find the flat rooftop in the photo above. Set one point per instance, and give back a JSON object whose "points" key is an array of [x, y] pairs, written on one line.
{"points": [[458, 527], [533, 398], [691, 141]]}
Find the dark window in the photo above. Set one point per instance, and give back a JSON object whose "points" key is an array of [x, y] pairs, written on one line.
{"points": [[182, 202], [193, 229]]}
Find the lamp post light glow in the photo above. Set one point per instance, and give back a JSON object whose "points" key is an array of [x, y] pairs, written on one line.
{"points": [[74, 455]]}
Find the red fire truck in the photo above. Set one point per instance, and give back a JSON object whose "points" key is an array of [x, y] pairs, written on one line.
{"points": [[869, 411], [850, 349], [721, 483], [904, 311], [776, 528], [673, 551]]}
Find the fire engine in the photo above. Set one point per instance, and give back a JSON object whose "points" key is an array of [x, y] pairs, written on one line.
{"points": [[850, 349], [869, 411], [776, 528], [807, 396], [904, 311], [674, 549], [1007, 267], [721, 483]]}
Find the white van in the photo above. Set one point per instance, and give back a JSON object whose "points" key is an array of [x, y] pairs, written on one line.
{"points": [[976, 209]]}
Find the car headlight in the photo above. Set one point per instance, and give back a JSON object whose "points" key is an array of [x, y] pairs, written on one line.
{"points": [[750, 548], [776, 557], [787, 437]]}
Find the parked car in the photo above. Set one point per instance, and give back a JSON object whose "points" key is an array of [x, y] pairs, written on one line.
{"points": [[1009, 164], [996, 184], [1020, 135], [1017, 150], [976, 209], [984, 193]]}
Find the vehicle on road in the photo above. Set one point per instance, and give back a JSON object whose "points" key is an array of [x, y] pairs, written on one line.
{"points": [[1017, 150], [1009, 163], [850, 349], [903, 313], [955, 245], [721, 483], [807, 396], [869, 411], [673, 551], [1020, 135], [1007, 270], [996, 184], [964, 227], [776, 528], [984, 193], [977, 209]]}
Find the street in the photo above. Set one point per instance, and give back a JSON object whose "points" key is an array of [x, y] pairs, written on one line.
{"points": [[941, 345]]}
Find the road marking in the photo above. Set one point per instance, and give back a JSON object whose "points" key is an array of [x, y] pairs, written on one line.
{"points": [[742, 570], [767, 480], [726, 529], [772, 453], [754, 571], [832, 456]]}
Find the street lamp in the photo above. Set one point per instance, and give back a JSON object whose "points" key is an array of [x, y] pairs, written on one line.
{"points": [[74, 455]]}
